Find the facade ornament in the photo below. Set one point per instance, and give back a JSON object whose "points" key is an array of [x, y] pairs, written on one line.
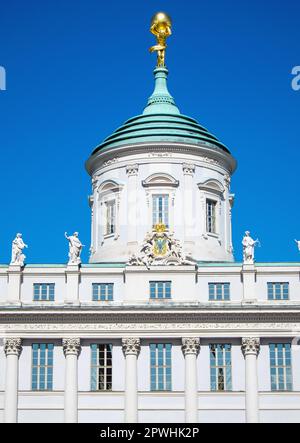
{"points": [[250, 345], [160, 248], [17, 256], [71, 346], [248, 248], [132, 170], [131, 346], [110, 162], [160, 154], [210, 161], [298, 244], [75, 248], [188, 169], [190, 345], [12, 346]]}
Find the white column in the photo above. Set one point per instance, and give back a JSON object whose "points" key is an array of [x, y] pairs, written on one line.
{"points": [[131, 349], [12, 349], [191, 348], [250, 349], [71, 348]]}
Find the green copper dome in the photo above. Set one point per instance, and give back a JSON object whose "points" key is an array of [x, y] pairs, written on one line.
{"points": [[161, 121]]}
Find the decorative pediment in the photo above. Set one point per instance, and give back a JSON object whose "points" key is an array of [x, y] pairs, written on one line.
{"points": [[110, 186], [160, 180], [213, 186]]}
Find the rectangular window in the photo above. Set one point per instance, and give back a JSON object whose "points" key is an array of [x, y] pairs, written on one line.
{"points": [[211, 225], [219, 291], [110, 217], [43, 291], [160, 289], [220, 367], [280, 367], [103, 291], [160, 209], [101, 367], [42, 367], [161, 371], [278, 291]]}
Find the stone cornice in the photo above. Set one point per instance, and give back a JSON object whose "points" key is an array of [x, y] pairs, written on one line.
{"points": [[204, 150]]}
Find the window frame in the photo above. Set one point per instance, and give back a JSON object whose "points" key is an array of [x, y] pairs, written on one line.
{"points": [[46, 366], [166, 289], [110, 218], [286, 370], [215, 202], [227, 368], [165, 210], [108, 287], [98, 367], [165, 369], [50, 296], [225, 287], [274, 291]]}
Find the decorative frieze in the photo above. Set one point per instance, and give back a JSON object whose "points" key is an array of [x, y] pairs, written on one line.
{"points": [[131, 345], [71, 346], [12, 346], [250, 345], [190, 345]]}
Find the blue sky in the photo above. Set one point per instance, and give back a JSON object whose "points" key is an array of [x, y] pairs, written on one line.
{"points": [[77, 69]]}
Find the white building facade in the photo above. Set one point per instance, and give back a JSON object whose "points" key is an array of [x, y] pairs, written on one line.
{"points": [[168, 333]]}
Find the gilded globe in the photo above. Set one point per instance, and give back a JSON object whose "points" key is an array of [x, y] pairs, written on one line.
{"points": [[160, 21]]}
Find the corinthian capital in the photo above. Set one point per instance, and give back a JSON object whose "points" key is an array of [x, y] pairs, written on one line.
{"points": [[132, 169], [71, 346], [190, 345], [250, 345], [188, 168], [12, 346], [131, 346]]}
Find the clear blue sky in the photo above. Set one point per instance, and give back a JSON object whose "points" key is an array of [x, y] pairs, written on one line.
{"points": [[77, 69]]}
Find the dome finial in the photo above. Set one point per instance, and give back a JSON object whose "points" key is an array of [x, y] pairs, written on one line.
{"points": [[161, 27]]}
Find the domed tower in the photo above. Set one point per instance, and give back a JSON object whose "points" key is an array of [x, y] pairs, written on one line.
{"points": [[161, 167]]}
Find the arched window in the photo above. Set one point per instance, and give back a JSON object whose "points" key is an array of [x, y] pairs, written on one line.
{"points": [[160, 191], [109, 197], [213, 193]]}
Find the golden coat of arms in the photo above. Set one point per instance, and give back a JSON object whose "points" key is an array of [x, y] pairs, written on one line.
{"points": [[160, 248]]}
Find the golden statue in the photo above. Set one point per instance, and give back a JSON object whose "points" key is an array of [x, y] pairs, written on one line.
{"points": [[161, 27]]}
